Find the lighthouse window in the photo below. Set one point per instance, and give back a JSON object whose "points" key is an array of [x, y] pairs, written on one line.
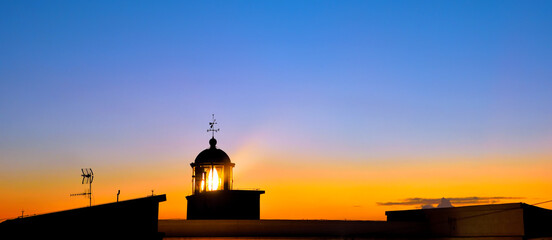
{"points": [[202, 181]]}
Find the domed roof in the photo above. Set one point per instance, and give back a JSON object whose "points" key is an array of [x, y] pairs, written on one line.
{"points": [[212, 154]]}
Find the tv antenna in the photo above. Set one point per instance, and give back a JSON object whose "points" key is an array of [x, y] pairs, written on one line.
{"points": [[212, 126], [87, 178]]}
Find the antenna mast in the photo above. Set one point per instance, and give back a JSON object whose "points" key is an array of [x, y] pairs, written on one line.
{"points": [[87, 178]]}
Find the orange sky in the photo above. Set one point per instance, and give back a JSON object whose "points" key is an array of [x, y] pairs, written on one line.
{"points": [[329, 189]]}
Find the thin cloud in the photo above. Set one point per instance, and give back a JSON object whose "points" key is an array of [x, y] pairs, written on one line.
{"points": [[457, 201]]}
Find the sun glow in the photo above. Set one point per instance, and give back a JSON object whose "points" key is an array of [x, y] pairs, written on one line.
{"points": [[213, 180]]}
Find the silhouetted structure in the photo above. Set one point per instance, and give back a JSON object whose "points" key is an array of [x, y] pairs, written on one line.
{"points": [[291, 229], [131, 219], [495, 220], [514, 221], [225, 204], [212, 195]]}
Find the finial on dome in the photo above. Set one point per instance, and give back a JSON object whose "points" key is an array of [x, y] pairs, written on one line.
{"points": [[213, 143]]}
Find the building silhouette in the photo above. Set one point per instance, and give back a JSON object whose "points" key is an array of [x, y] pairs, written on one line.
{"points": [[129, 219], [212, 194]]}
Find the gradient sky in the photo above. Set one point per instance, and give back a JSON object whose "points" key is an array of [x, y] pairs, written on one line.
{"points": [[337, 109]]}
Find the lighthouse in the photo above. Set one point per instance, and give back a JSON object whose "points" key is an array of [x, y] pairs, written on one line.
{"points": [[213, 196]]}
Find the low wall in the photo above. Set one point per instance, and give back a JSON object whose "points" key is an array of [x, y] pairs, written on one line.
{"points": [[288, 228]]}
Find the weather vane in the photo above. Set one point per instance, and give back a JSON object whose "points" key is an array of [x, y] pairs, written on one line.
{"points": [[212, 126]]}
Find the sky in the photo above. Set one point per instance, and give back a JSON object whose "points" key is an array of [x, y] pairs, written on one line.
{"points": [[337, 109]]}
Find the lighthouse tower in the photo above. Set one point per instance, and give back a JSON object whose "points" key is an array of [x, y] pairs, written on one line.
{"points": [[212, 194]]}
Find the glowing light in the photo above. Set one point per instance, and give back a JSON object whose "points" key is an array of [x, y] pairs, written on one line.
{"points": [[213, 180]]}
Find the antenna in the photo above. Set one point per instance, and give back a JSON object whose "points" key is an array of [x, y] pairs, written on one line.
{"points": [[87, 178], [212, 126]]}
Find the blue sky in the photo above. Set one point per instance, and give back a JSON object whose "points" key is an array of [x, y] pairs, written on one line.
{"points": [[102, 81], [433, 72]]}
